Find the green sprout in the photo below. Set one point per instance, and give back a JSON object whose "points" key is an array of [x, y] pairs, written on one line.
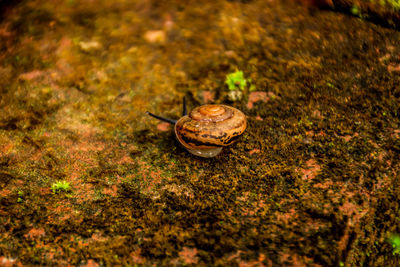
{"points": [[236, 80], [355, 11], [20, 196], [60, 186], [394, 240]]}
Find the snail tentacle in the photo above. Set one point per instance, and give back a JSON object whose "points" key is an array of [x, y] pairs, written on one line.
{"points": [[171, 121], [184, 110]]}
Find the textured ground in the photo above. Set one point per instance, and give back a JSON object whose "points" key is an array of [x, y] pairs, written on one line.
{"points": [[314, 181]]}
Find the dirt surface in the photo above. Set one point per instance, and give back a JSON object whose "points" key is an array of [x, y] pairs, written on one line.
{"points": [[314, 181]]}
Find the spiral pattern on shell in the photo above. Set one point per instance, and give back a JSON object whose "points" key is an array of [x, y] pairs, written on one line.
{"points": [[210, 126]]}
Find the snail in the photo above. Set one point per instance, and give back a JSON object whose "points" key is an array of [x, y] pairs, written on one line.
{"points": [[207, 128]]}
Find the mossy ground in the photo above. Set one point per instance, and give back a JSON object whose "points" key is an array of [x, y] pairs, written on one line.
{"points": [[313, 182]]}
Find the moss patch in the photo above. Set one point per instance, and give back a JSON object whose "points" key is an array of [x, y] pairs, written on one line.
{"points": [[314, 181]]}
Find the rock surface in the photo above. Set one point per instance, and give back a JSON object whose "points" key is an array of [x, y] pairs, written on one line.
{"points": [[314, 181]]}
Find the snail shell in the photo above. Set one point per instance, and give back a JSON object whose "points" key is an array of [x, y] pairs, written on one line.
{"points": [[208, 128]]}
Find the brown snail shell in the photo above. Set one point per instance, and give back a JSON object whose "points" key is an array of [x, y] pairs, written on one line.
{"points": [[208, 128]]}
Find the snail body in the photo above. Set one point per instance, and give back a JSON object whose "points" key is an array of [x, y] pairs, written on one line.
{"points": [[208, 128]]}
